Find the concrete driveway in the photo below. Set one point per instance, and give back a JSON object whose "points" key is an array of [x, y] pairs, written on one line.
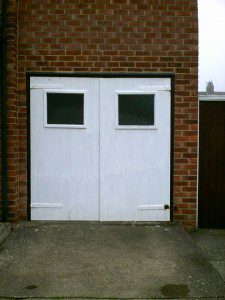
{"points": [[93, 260], [212, 244]]}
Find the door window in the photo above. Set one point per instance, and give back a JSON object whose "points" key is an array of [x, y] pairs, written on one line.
{"points": [[64, 109], [136, 109]]}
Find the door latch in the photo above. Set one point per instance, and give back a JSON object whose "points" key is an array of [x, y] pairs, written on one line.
{"points": [[166, 206]]}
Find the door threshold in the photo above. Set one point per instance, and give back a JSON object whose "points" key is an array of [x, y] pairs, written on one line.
{"points": [[124, 223]]}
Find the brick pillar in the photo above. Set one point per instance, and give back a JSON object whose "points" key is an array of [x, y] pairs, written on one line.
{"points": [[12, 114]]}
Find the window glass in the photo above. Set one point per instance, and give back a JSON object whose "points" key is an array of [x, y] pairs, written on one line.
{"points": [[136, 109], [65, 108]]}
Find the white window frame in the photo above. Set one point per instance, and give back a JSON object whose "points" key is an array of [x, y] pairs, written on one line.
{"points": [[62, 91], [135, 127]]}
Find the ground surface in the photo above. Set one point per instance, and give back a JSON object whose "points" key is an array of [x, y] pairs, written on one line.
{"points": [[94, 260], [5, 230], [212, 244]]}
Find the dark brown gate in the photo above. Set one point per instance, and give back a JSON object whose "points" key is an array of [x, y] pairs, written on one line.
{"points": [[212, 164]]}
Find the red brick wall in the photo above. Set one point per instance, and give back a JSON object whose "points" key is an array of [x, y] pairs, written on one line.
{"points": [[118, 35], [12, 113]]}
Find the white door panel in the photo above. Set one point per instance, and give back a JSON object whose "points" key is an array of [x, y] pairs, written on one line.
{"points": [[134, 163], [100, 170], [65, 161]]}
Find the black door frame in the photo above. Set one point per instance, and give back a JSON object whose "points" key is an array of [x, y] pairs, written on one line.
{"points": [[171, 76]]}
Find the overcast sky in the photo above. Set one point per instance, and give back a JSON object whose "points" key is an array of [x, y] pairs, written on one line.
{"points": [[212, 43]]}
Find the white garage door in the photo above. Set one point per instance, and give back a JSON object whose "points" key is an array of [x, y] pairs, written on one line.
{"points": [[100, 148]]}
